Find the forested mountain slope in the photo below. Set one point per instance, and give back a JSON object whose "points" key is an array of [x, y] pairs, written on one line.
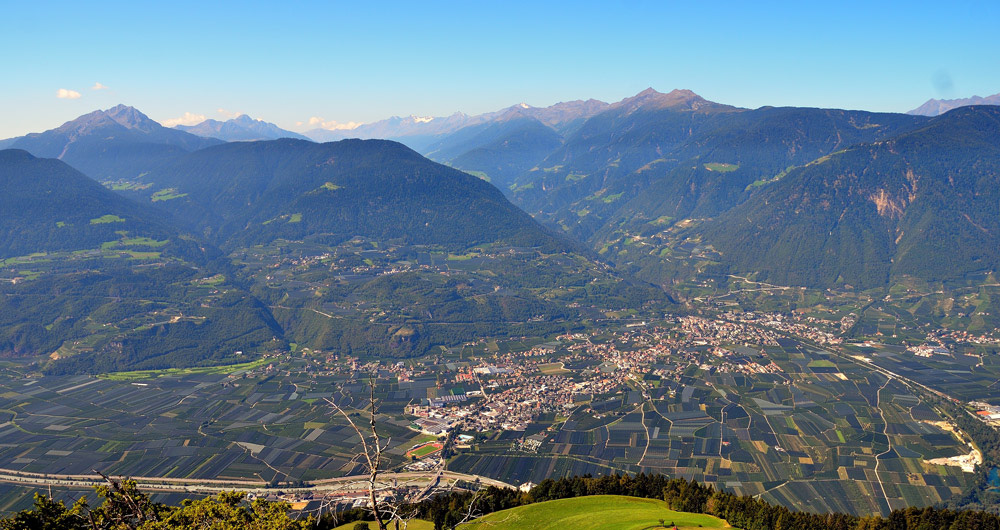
{"points": [[95, 282], [926, 204]]}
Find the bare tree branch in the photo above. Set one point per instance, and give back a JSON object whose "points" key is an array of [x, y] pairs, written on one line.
{"points": [[397, 512], [371, 453], [473, 514]]}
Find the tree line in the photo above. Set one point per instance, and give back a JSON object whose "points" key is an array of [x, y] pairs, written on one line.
{"points": [[124, 507], [744, 512]]}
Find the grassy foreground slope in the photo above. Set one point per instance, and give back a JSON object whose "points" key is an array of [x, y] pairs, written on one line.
{"points": [[596, 512]]}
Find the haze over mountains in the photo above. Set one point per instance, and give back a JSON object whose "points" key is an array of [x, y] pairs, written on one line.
{"points": [[242, 128], [655, 189], [110, 144], [421, 133], [609, 255], [352, 202]]}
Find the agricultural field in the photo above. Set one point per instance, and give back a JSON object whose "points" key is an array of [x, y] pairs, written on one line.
{"points": [[167, 195], [598, 512], [247, 422], [780, 418], [721, 167], [819, 434], [969, 374]]}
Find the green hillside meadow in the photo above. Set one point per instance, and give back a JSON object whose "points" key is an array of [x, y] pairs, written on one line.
{"points": [[598, 512]]}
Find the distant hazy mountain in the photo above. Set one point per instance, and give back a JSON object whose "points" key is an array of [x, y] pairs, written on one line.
{"points": [[117, 143], [498, 150], [516, 147], [239, 129], [677, 99], [421, 133], [613, 144], [506, 143], [936, 107], [414, 131], [562, 117]]}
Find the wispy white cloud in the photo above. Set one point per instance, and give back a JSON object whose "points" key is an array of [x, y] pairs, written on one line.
{"points": [[332, 125], [98, 86], [229, 114], [64, 93], [187, 119]]}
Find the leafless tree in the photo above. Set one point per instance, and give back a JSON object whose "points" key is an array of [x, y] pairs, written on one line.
{"points": [[473, 513], [372, 452], [124, 507], [399, 511]]}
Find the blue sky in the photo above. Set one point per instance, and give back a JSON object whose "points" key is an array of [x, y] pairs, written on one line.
{"points": [[344, 61]]}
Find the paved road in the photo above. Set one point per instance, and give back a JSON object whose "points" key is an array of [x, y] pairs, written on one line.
{"points": [[215, 486]]}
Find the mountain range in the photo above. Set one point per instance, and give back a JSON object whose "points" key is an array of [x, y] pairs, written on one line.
{"points": [[421, 133], [203, 236], [661, 262], [922, 203], [359, 245], [242, 128], [654, 171], [111, 144], [936, 107]]}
